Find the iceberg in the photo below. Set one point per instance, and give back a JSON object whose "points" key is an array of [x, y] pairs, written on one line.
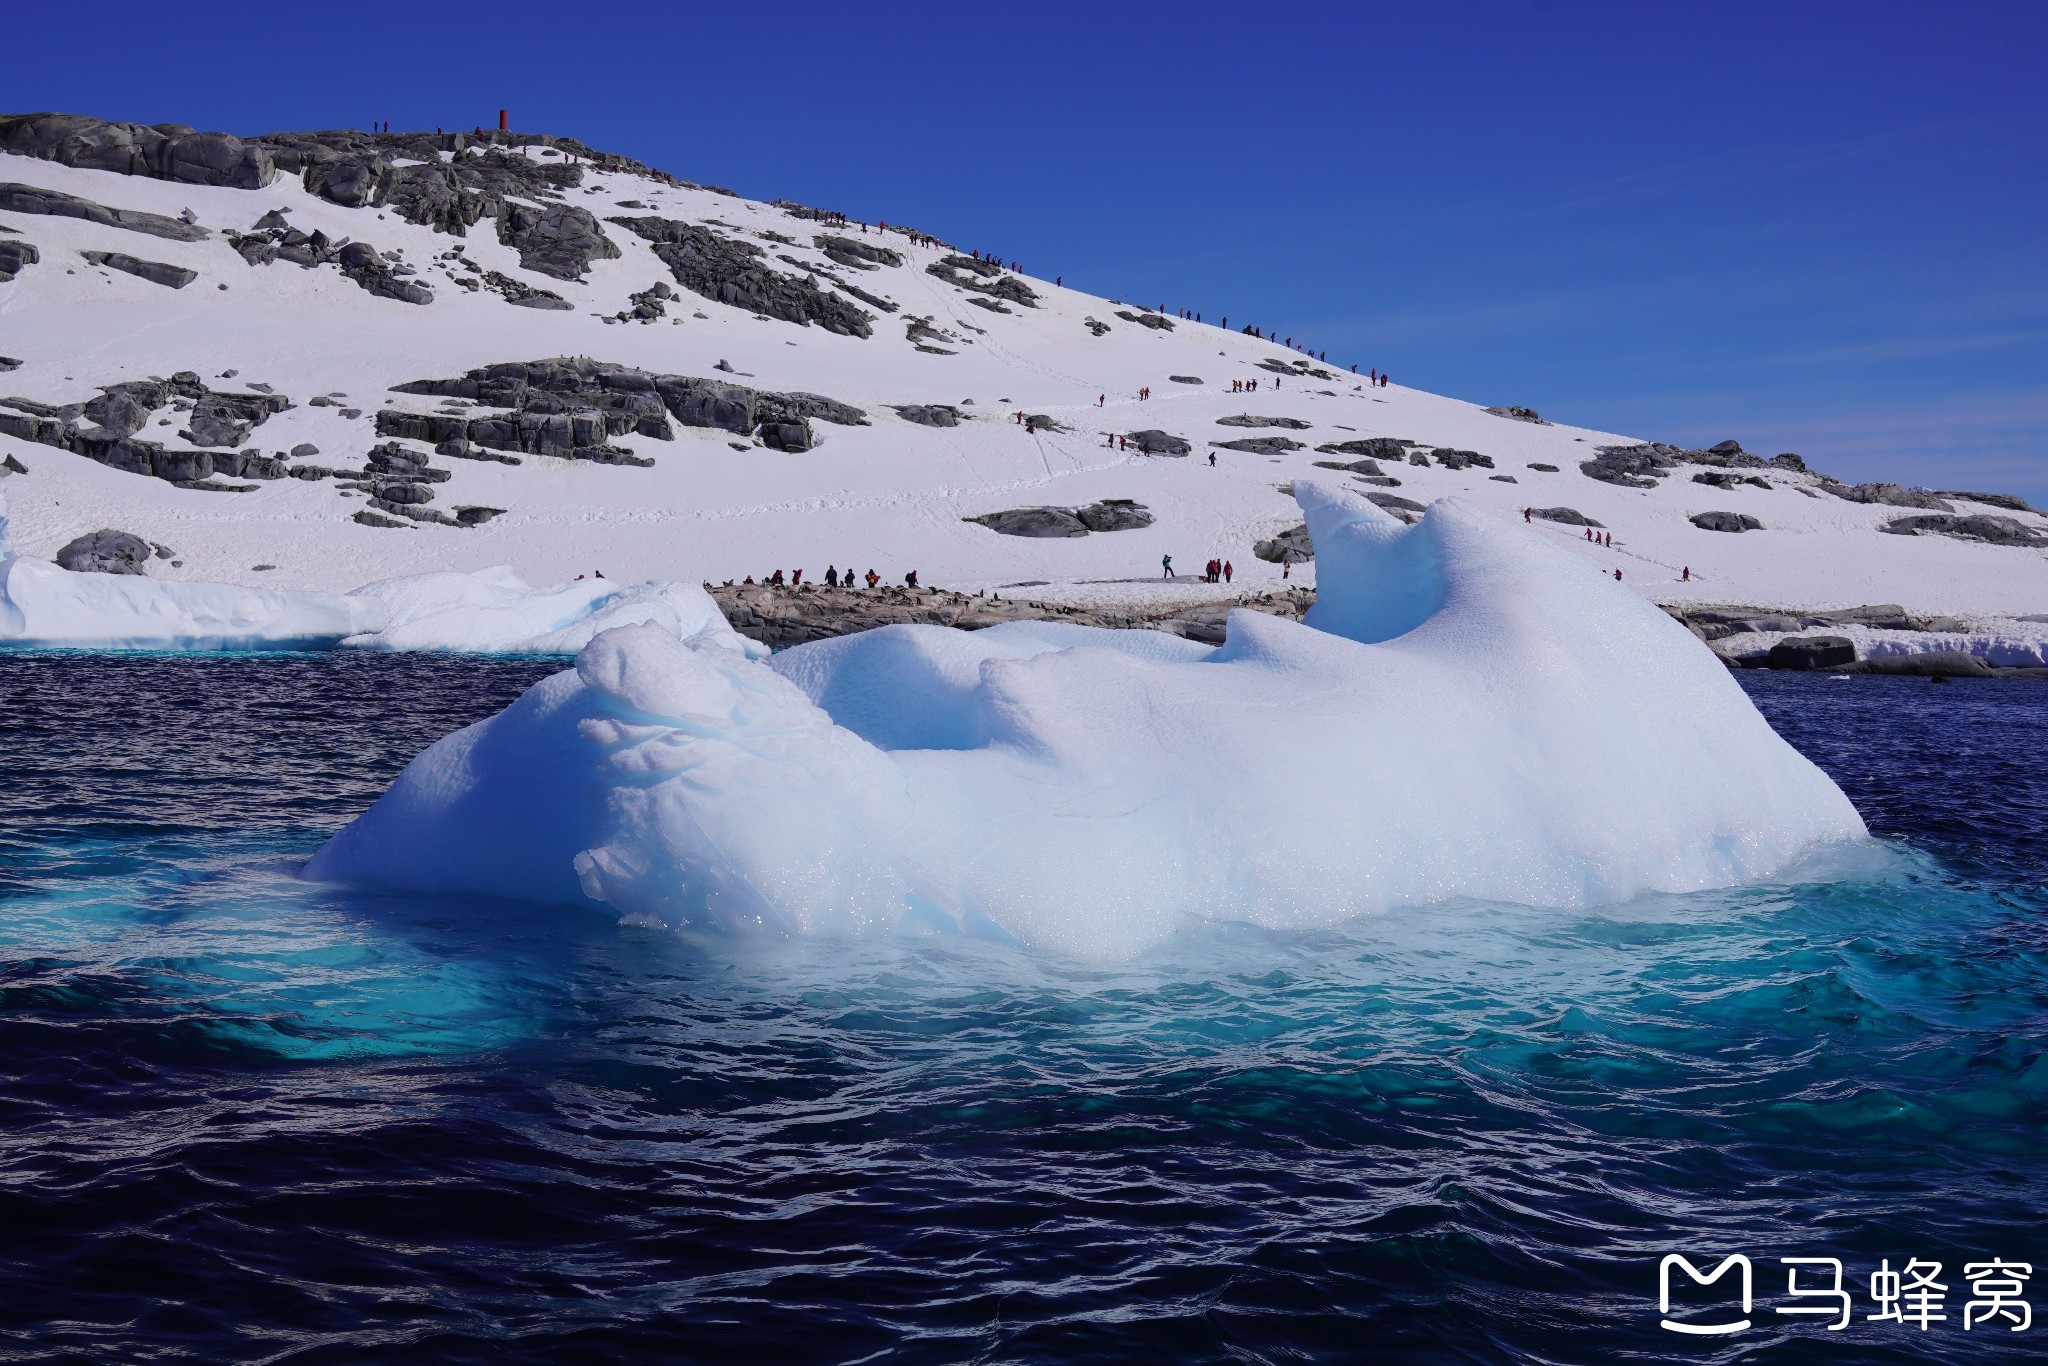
{"points": [[43, 606], [494, 611], [1466, 712]]}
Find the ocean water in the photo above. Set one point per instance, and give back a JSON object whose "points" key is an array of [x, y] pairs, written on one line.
{"points": [[247, 1119]]}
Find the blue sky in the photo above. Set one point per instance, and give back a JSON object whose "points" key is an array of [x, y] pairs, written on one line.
{"points": [[1814, 227]]}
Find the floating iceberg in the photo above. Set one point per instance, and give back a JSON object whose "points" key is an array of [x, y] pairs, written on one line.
{"points": [[1467, 712], [45, 607], [494, 611]]}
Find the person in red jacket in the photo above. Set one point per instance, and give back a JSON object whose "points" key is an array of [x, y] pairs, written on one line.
{"points": [[1226, 571]]}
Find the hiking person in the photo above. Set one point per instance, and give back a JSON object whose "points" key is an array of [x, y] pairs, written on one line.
{"points": [[1525, 514], [1099, 398], [1166, 567], [776, 578], [796, 579], [1212, 460], [831, 576], [1617, 576], [910, 579], [1285, 565], [873, 579], [1227, 571], [1685, 574]]}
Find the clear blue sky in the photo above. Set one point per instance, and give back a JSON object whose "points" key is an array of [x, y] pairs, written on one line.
{"points": [[1819, 227]]}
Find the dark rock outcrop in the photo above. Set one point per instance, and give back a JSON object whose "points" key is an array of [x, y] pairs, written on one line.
{"points": [[1293, 424], [929, 414], [1262, 445], [16, 257], [364, 264], [729, 271], [1158, 322], [1378, 447], [559, 240], [982, 277], [2009, 501], [1185, 379], [166, 152], [31, 199], [1152, 441], [1728, 479], [855, 254], [1458, 460], [156, 272], [1725, 521], [1811, 652], [1051, 523], [1518, 414], [1356, 466], [105, 552], [1568, 516], [1975, 527], [1888, 495], [1633, 467], [1291, 546]]}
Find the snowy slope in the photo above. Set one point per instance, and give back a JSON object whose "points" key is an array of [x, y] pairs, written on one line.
{"points": [[890, 495]]}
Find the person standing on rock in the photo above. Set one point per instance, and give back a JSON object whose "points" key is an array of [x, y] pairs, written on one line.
{"points": [[910, 579], [796, 580], [1166, 566], [873, 579], [831, 576], [776, 578]]}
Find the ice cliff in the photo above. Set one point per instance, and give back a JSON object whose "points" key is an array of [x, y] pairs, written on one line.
{"points": [[1467, 713]]}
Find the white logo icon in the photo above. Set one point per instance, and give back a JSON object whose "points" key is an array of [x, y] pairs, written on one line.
{"points": [[1702, 1329]]}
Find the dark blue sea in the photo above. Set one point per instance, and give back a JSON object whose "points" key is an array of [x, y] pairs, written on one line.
{"points": [[244, 1118]]}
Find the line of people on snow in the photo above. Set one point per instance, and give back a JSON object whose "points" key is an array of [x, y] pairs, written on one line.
{"points": [[833, 578]]}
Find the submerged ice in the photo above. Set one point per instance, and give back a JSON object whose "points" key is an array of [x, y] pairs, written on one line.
{"points": [[1467, 712]]}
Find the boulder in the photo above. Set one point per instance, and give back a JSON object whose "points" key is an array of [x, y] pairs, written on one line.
{"points": [[1185, 379], [156, 272], [1811, 652], [2009, 501], [1152, 441], [1114, 514], [105, 552], [16, 257], [1889, 495], [1786, 460], [1039, 522], [1262, 445], [1725, 521], [1544, 469], [1249, 420], [1291, 546], [787, 436], [1518, 414], [1158, 322], [1568, 516], [1394, 502], [1355, 466], [1929, 664], [1377, 447], [929, 414]]}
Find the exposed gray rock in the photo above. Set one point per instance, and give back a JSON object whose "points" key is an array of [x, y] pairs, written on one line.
{"points": [[156, 272], [1927, 664], [1097, 327], [1786, 460], [16, 257], [559, 240], [1114, 514], [982, 277], [1634, 467], [1728, 479], [1725, 521], [990, 304], [9, 363], [1889, 495], [2010, 502], [1293, 424], [1811, 652], [1378, 447], [1393, 502], [1503, 478], [367, 266], [1976, 527], [1185, 379], [304, 449], [1568, 516], [1039, 522], [1152, 441], [1158, 322], [1262, 445], [1518, 414], [166, 152], [730, 272], [105, 552], [1291, 546], [1356, 466], [929, 414], [787, 436], [31, 199], [856, 254], [1545, 469], [1458, 460]]}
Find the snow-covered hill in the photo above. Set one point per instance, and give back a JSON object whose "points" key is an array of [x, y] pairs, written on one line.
{"points": [[560, 258]]}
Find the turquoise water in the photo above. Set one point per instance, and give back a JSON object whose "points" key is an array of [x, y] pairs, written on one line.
{"points": [[246, 1118]]}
